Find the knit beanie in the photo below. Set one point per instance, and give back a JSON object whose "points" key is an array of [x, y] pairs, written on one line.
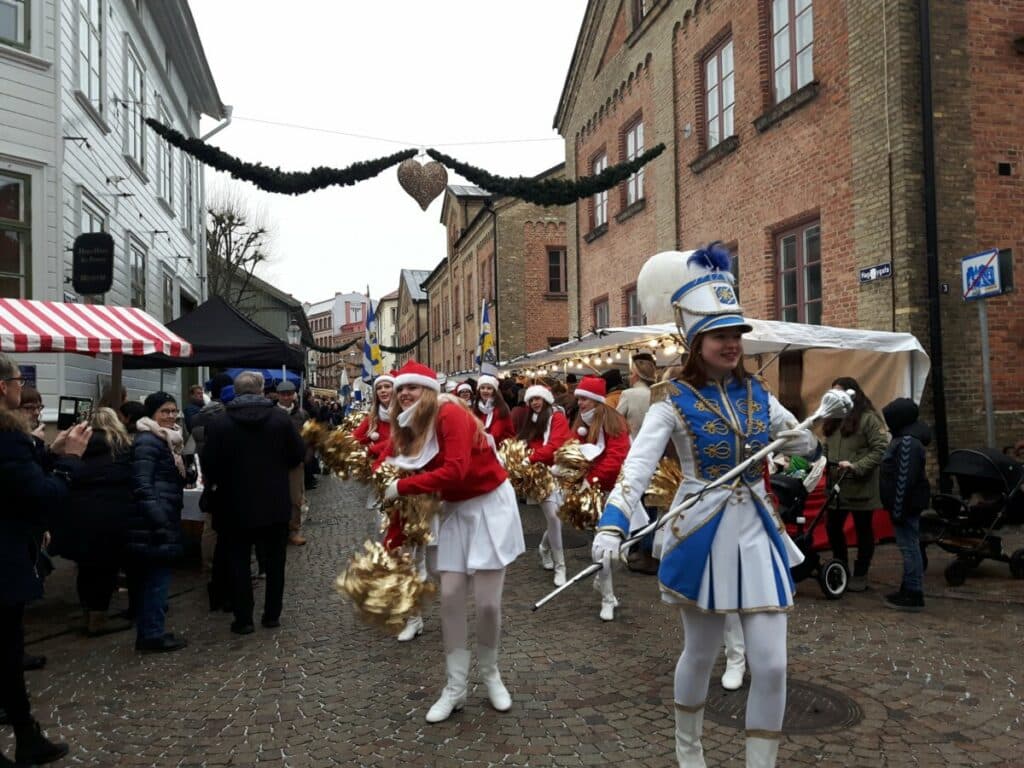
{"points": [[153, 403]]}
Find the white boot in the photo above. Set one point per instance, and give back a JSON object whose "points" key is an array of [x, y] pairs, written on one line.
{"points": [[603, 582], [453, 697], [735, 654], [413, 628], [762, 752], [689, 723], [558, 556], [546, 562], [487, 660]]}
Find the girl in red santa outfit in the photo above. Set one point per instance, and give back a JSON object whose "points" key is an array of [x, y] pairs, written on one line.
{"points": [[492, 410], [478, 532], [545, 431], [605, 437]]}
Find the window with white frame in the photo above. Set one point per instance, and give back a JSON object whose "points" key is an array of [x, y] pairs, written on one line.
{"points": [[92, 218], [168, 296], [14, 23], [137, 257], [15, 235], [599, 203], [634, 148], [134, 107], [719, 95], [91, 52], [792, 46], [799, 259], [165, 162], [188, 195]]}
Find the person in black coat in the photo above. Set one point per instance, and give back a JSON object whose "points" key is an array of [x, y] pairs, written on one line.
{"points": [[154, 538], [250, 450], [30, 495], [101, 506]]}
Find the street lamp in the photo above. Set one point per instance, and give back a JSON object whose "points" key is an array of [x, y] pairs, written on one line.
{"points": [[294, 333]]}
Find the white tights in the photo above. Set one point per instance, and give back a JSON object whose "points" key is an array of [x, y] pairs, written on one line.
{"points": [[553, 535], [487, 588], [765, 635]]}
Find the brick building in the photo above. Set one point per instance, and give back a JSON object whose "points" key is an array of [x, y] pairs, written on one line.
{"points": [[526, 287], [334, 322], [794, 133], [412, 315], [387, 327]]}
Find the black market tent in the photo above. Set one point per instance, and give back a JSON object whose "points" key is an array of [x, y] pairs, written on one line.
{"points": [[223, 337]]}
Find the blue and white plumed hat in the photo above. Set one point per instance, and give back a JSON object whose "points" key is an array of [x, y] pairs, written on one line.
{"points": [[694, 288]]}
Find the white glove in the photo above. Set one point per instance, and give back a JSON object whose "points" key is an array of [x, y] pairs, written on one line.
{"points": [[835, 403], [527, 462], [792, 434], [555, 470], [391, 492], [605, 543]]}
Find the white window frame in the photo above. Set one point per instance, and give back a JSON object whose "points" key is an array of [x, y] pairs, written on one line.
{"points": [[23, 24], [635, 148], [600, 199], [134, 146], [602, 311], [802, 306], [135, 247], [23, 227], [165, 162], [792, 45], [167, 275], [90, 64], [719, 95]]}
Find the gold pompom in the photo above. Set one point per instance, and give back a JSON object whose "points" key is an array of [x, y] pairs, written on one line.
{"points": [[581, 507], [530, 479], [571, 462], [314, 432], [664, 484], [416, 512], [353, 420], [384, 587], [345, 456]]}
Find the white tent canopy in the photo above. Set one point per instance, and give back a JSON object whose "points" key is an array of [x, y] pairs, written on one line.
{"points": [[886, 364]]}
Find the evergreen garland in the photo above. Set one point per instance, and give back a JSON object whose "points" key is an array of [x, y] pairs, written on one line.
{"points": [[403, 349], [274, 179], [400, 350], [547, 192]]}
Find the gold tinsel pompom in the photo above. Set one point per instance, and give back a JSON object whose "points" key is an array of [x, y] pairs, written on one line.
{"points": [[344, 455], [529, 479], [353, 420], [572, 463], [664, 484], [314, 432], [384, 587], [581, 507], [416, 512]]}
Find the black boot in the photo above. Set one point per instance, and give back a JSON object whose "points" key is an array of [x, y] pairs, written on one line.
{"points": [[905, 601], [30, 663], [34, 748]]}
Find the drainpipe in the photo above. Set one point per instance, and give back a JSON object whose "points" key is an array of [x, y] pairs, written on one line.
{"points": [[932, 237], [494, 277], [228, 109]]}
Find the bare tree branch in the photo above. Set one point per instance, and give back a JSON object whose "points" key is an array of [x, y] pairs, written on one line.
{"points": [[238, 240]]}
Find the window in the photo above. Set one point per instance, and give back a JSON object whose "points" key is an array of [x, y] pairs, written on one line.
{"points": [[601, 313], [734, 268], [134, 108], [188, 195], [356, 311], [137, 266], [168, 294], [634, 148], [469, 296], [394, 316], [90, 52], [719, 95], [14, 23], [557, 282], [633, 314], [15, 235], [457, 303], [799, 253], [165, 162], [640, 10], [599, 204], [93, 218], [792, 46]]}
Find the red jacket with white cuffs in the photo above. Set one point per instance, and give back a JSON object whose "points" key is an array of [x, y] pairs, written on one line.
{"points": [[376, 448], [501, 429], [544, 452], [605, 468], [465, 466]]}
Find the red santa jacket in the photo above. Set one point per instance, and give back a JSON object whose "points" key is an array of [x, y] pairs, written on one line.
{"points": [[465, 466], [604, 470], [501, 428], [544, 453], [377, 448]]}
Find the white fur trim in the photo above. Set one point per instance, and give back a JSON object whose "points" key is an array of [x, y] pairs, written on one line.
{"points": [[538, 391], [582, 431], [463, 386], [488, 380], [589, 395], [415, 378], [659, 278]]}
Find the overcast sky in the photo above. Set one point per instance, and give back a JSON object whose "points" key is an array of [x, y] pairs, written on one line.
{"points": [[410, 73]]}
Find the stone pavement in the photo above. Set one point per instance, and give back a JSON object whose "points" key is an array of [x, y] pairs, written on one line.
{"points": [[940, 688]]}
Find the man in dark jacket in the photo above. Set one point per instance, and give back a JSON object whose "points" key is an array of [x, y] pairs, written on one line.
{"points": [[305, 476], [29, 492], [250, 449]]}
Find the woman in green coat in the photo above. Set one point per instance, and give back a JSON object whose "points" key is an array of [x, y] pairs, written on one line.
{"points": [[856, 444]]}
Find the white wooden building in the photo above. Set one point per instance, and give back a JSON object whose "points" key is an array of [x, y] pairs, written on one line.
{"points": [[77, 77]]}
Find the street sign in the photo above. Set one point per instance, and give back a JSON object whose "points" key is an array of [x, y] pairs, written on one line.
{"points": [[877, 272], [92, 263], [980, 275]]}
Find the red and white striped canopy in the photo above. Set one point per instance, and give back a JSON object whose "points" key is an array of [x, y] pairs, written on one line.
{"points": [[49, 326]]}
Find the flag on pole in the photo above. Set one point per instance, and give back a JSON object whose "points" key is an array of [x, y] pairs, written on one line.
{"points": [[486, 356], [372, 364]]}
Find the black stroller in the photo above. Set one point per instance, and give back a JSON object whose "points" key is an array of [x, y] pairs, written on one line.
{"points": [[990, 493], [833, 575]]}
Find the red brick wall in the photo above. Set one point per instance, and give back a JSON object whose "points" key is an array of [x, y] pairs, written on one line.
{"points": [[547, 315]]}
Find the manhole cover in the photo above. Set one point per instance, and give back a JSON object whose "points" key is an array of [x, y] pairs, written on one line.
{"points": [[810, 708]]}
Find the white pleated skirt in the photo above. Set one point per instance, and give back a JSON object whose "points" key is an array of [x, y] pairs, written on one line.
{"points": [[480, 534]]}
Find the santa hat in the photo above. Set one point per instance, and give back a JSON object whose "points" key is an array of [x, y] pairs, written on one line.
{"points": [[539, 390], [390, 377], [591, 387], [419, 374], [486, 380], [693, 287], [463, 386]]}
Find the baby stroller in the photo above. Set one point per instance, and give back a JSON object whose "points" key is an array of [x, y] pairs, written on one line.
{"points": [[990, 493], [833, 575]]}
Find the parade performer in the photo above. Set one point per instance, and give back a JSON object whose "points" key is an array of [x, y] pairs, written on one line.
{"points": [[545, 430], [478, 532], [492, 410], [605, 437], [729, 553], [464, 391]]}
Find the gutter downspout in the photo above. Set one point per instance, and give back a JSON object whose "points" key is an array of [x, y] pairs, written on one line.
{"points": [[494, 276], [228, 110], [932, 236]]}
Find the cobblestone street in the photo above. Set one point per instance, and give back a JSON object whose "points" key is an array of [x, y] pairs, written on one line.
{"points": [[934, 689]]}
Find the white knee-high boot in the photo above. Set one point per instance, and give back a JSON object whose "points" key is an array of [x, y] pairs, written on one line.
{"points": [[544, 551], [762, 752], [487, 659], [453, 697], [603, 584], [689, 724], [558, 557]]}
